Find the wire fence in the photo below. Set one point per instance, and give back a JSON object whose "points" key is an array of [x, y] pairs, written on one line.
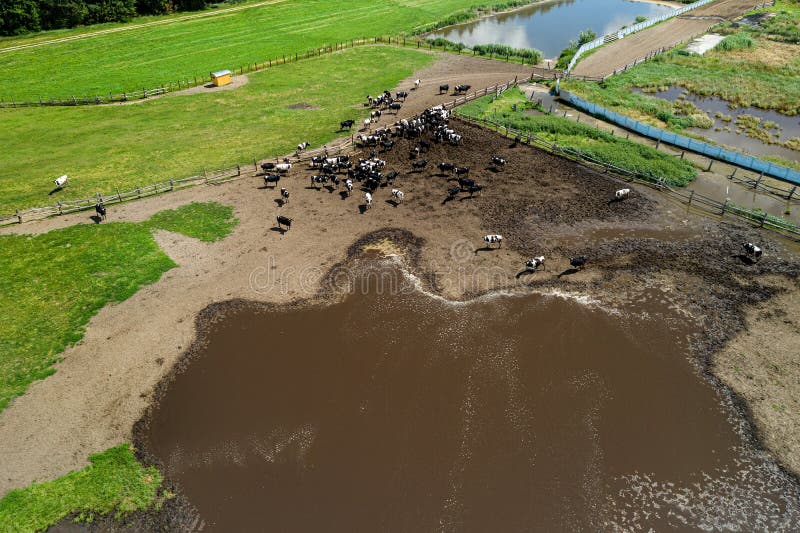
{"points": [[195, 81], [691, 199]]}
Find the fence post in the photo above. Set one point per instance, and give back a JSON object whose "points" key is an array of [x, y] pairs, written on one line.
{"points": [[138, 192], [658, 143], [171, 185], [791, 193], [710, 163], [758, 181], [119, 196], [724, 207], [733, 174], [690, 198], [238, 170], [19, 217], [763, 219], [682, 153]]}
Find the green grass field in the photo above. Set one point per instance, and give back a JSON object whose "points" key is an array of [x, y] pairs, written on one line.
{"points": [[115, 483], [125, 146], [45, 312], [598, 145], [155, 55]]}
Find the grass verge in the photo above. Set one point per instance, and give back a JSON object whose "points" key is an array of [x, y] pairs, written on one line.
{"points": [[127, 146], [115, 482], [596, 144], [53, 283]]}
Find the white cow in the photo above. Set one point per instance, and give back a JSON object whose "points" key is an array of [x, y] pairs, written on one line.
{"points": [[492, 239], [534, 263], [417, 83], [752, 251], [622, 194], [349, 185], [398, 195], [368, 200], [61, 181], [283, 167]]}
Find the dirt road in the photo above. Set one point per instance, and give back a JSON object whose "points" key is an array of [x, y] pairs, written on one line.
{"points": [[625, 51]]}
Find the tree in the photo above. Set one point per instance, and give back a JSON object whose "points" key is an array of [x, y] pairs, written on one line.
{"points": [[19, 16]]}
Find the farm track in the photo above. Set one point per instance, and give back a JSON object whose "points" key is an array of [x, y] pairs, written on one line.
{"points": [[617, 55]]}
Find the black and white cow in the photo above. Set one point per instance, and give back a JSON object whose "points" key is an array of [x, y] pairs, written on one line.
{"points": [[302, 146], [284, 196], [447, 167], [622, 194], [368, 200], [271, 180], [419, 165], [752, 251], [578, 262], [284, 221], [493, 239], [398, 195], [283, 167], [534, 263], [100, 209], [444, 88], [498, 162]]}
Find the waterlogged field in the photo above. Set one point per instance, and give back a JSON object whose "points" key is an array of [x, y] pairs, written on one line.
{"points": [[153, 55], [125, 146], [598, 145]]}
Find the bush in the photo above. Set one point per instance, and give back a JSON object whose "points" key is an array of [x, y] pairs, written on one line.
{"points": [[735, 42]]}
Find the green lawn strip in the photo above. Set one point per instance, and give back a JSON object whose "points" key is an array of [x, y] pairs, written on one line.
{"points": [[156, 55], [53, 283], [115, 482], [596, 144], [105, 147]]}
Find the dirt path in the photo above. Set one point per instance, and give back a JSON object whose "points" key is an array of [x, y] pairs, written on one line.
{"points": [[616, 55]]}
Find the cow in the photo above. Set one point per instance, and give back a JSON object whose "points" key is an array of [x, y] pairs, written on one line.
{"points": [[621, 194], [367, 122], [302, 146], [474, 188], [417, 84], [346, 124], [100, 209], [578, 262], [444, 88], [462, 88], [284, 196], [368, 200], [452, 192], [318, 180], [419, 165], [493, 239], [271, 179], [401, 95], [534, 263], [390, 177], [398, 195], [454, 138], [375, 115], [283, 167], [752, 251], [498, 162], [395, 107], [461, 171], [61, 181], [446, 167], [349, 185], [424, 145], [465, 183], [284, 221], [267, 166]]}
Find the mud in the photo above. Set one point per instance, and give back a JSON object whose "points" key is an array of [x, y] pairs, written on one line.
{"points": [[406, 412]]}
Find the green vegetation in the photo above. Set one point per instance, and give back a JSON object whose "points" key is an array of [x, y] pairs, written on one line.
{"points": [[569, 52], [530, 55], [735, 42], [784, 25], [640, 18], [150, 56], [596, 144], [127, 146], [115, 483], [53, 283]]}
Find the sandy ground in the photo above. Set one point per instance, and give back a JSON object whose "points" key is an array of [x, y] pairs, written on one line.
{"points": [[540, 203], [616, 55]]}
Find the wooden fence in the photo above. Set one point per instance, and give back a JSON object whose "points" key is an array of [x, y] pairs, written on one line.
{"points": [[691, 199]]}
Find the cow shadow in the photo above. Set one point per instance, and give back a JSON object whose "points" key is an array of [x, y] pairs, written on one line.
{"points": [[393, 203], [569, 272], [466, 198], [51, 193], [330, 188], [266, 188], [485, 249], [278, 229], [362, 208], [343, 195], [448, 199], [96, 219], [525, 272], [745, 259], [279, 201], [312, 188]]}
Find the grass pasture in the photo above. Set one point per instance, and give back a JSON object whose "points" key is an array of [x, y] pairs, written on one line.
{"points": [[149, 56], [598, 145], [125, 146], [114, 482], [96, 264]]}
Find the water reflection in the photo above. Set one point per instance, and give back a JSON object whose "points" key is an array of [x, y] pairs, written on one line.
{"points": [[550, 26]]}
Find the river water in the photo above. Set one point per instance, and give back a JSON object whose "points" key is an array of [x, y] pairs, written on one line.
{"points": [[550, 26], [397, 411]]}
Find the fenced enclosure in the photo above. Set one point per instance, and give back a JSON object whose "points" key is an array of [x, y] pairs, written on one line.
{"points": [[693, 201], [247, 68], [749, 162]]}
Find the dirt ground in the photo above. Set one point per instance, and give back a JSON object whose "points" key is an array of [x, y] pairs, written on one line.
{"points": [[616, 55], [542, 204]]}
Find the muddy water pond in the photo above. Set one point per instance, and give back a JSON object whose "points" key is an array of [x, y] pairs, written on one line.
{"points": [[549, 26], [731, 130], [397, 411]]}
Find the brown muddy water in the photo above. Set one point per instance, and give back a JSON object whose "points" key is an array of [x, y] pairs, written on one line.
{"points": [[394, 410]]}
